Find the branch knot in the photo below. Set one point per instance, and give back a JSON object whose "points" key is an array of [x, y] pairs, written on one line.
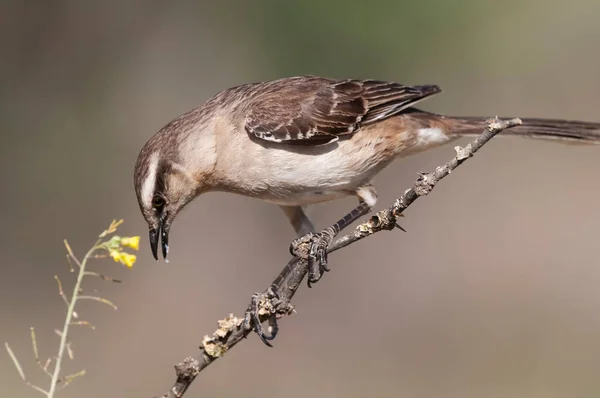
{"points": [[188, 369], [424, 184]]}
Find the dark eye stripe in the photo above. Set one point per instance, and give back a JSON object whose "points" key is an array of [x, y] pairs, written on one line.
{"points": [[160, 186]]}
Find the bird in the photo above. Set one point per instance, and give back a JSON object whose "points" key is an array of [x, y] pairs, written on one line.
{"points": [[301, 140]]}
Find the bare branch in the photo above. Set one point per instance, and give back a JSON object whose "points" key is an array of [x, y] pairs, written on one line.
{"points": [[423, 186], [275, 302]]}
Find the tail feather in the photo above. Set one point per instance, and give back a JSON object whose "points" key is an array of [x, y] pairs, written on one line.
{"points": [[555, 129]]}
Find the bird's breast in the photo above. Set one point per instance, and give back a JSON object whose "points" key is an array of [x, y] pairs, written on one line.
{"points": [[297, 175]]}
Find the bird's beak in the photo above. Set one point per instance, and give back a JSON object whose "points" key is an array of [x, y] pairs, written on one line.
{"points": [[165, 241], [162, 231], [154, 241]]}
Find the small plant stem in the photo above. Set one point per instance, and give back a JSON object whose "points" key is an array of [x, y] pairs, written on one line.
{"points": [[70, 310]]}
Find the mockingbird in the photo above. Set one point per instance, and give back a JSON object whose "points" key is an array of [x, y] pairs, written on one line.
{"points": [[298, 141]]}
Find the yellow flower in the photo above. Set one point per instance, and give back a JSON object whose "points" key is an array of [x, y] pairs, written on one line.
{"points": [[115, 255], [123, 258], [128, 259], [131, 241]]}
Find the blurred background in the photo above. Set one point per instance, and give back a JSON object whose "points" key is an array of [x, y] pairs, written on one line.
{"points": [[493, 292]]}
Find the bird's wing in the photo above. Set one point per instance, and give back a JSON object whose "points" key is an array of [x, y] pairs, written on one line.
{"points": [[314, 111]]}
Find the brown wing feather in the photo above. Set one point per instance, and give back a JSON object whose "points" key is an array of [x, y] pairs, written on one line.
{"points": [[311, 110]]}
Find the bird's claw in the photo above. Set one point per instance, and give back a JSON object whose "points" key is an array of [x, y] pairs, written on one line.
{"points": [[269, 305], [313, 248]]}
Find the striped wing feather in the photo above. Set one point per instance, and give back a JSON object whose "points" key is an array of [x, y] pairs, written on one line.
{"points": [[315, 111]]}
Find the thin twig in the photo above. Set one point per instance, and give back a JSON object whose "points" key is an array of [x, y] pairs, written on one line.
{"points": [[84, 323], [61, 292], [101, 276], [57, 381], [99, 299], [36, 355], [46, 365], [68, 379], [231, 330], [40, 389], [71, 268], [12, 356], [112, 228], [68, 318]]}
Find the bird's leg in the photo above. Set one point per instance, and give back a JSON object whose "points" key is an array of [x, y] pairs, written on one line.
{"points": [[299, 220], [313, 246], [269, 303]]}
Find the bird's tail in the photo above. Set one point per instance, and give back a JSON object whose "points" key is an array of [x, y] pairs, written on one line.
{"points": [[554, 129]]}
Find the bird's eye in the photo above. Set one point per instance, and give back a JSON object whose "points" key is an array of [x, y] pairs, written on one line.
{"points": [[158, 202]]}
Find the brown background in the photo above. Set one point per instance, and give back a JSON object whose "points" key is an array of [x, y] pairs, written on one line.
{"points": [[493, 292]]}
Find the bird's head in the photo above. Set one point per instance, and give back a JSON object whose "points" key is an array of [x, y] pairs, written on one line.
{"points": [[163, 187], [174, 166]]}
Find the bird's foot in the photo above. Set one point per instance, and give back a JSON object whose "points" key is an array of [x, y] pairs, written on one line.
{"points": [[313, 248], [267, 306]]}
